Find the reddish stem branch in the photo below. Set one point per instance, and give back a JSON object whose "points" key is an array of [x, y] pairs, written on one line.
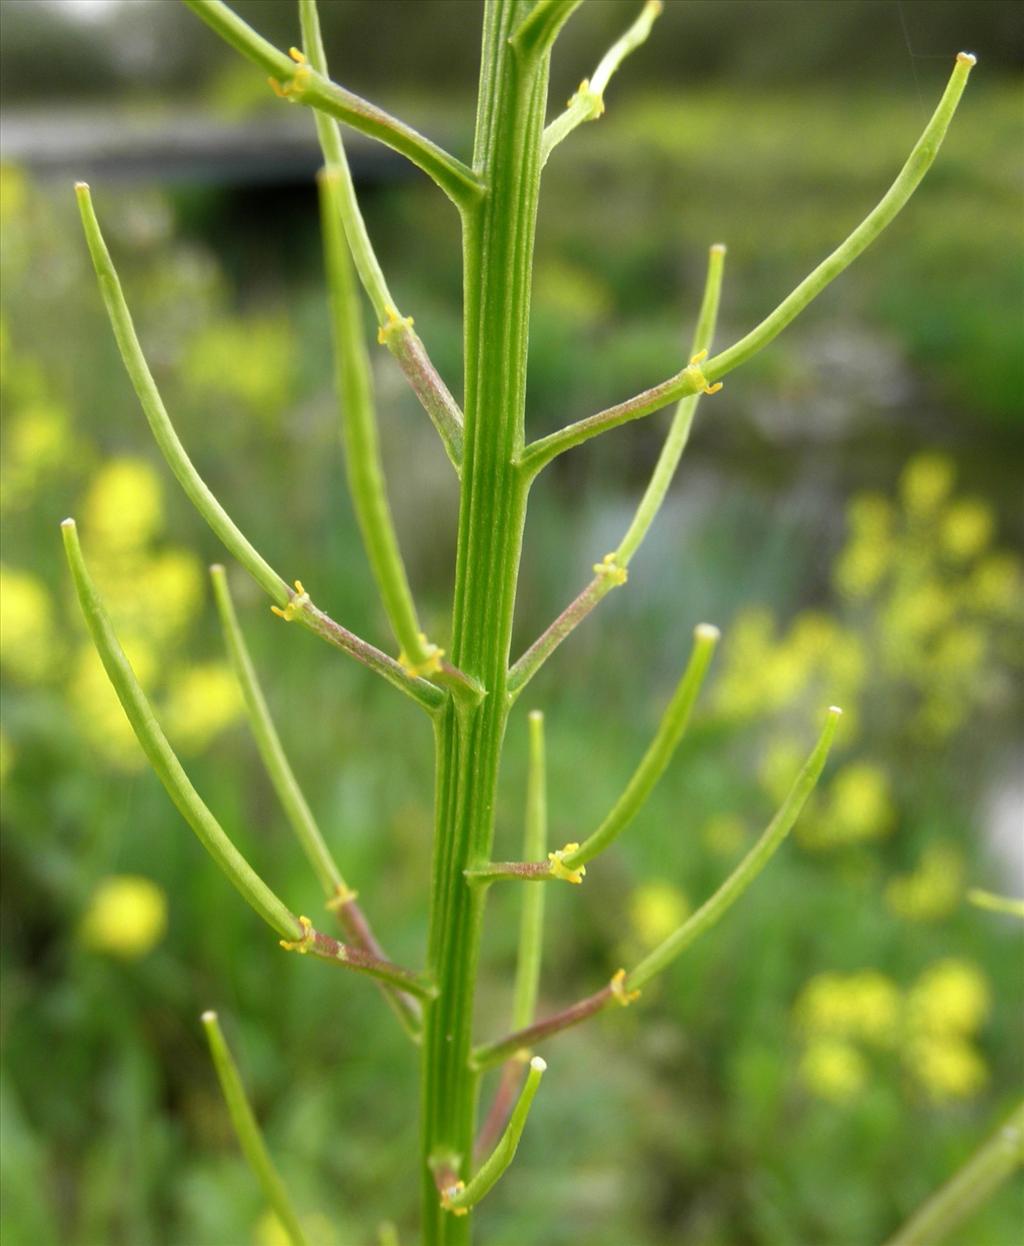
{"points": [[523, 1040], [316, 943], [548, 641], [356, 926]]}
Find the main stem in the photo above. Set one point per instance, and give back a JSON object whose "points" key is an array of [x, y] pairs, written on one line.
{"points": [[498, 235]]}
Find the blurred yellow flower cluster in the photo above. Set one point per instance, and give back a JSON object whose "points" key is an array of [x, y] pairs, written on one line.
{"points": [[841, 1019], [154, 592], [921, 637], [126, 916], [932, 595], [251, 361], [29, 639], [154, 596]]}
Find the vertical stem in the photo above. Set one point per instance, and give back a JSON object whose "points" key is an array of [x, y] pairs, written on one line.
{"points": [[498, 235]]}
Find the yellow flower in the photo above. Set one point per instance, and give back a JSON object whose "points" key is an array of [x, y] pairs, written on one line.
{"points": [[951, 997], [966, 529], [170, 591], [925, 484], [995, 583], [655, 910], [946, 1066], [875, 1006], [833, 1070], [126, 917], [201, 702], [859, 805], [37, 443], [30, 646], [123, 508], [865, 1004], [933, 890], [822, 1007], [861, 565]]}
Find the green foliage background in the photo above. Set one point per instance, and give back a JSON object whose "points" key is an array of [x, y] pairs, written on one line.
{"points": [[728, 1108]]}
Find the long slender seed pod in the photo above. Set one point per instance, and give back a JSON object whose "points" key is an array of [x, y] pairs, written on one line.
{"points": [[698, 376], [211, 835], [302, 85], [659, 754], [458, 1197], [613, 570], [1008, 905], [588, 102], [995, 1161], [156, 413], [715, 908], [362, 451], [340, 896], [682, 419], [623, 988], [569, 863], [290, 604], [294, 803], [396, 331], [248, 1132]]}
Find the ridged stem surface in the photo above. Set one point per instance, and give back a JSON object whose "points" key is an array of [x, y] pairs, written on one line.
{"points": [[498, 235]]}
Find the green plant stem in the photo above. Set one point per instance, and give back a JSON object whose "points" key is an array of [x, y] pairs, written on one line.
{"points": [[460, 1198], [536, 33], [998, 1158], [362, 448], [610, 573], [341, 899], [303, 85], [539, 453], [715, 908], [156, 413], [248, 1132], [588, 102], [154, 744], [396, 331], [498, 238]]}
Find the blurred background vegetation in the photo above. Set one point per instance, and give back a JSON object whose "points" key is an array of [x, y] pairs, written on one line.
{"points": [[848, 511]]}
